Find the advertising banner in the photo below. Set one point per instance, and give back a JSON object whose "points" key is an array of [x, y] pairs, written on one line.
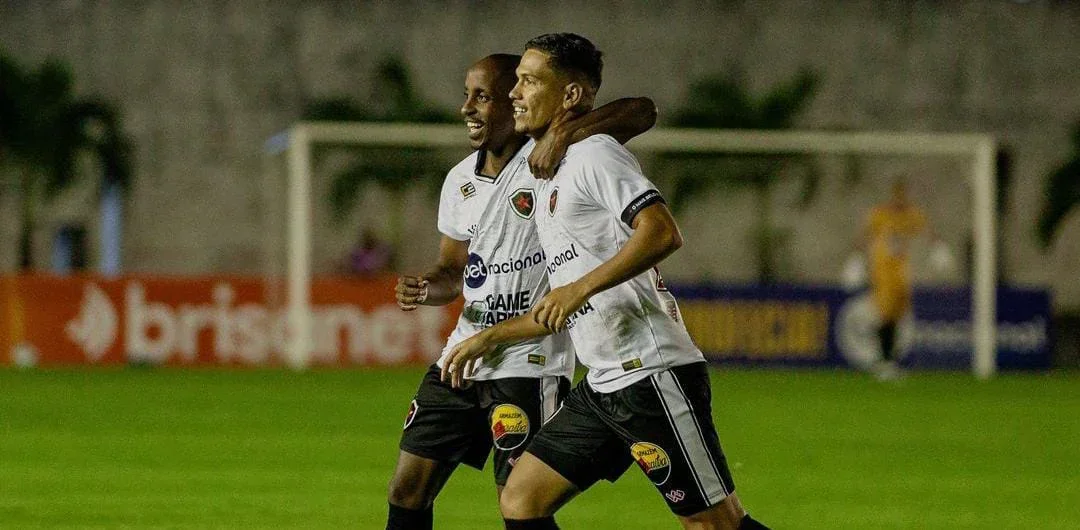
{"points": [[231, 321], [49, 320], [827, 326]]}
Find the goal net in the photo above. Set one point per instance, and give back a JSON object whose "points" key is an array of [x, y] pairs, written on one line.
{"points": [[784, 206]]}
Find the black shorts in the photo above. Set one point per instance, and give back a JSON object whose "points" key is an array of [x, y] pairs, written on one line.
{"points": [[457, 425], [663, 423]]}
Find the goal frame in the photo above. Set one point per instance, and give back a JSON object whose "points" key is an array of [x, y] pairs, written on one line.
{"points": [[980, 149]]}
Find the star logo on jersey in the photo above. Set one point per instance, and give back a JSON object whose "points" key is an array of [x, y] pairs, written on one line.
{"points": [[553, 201], [509, 427], [523, 202], [468, 190], [653, 460]]}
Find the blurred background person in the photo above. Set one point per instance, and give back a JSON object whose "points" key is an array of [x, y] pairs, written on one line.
{"points": [[371, 256], [887, 236]]}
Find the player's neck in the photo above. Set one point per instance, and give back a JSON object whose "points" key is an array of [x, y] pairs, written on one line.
{"points": [[495, 159], [559, 119]]}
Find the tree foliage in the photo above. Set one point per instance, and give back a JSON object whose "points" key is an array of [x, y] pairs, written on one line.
{"points": [[395, 169], [726, 102], [1061, 196], [43, 129]]}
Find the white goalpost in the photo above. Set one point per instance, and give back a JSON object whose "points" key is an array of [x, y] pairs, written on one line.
{"points": [[978, 149]]}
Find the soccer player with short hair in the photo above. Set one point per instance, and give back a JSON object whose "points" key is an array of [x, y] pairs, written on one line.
{"points": [[647, 399], [490, 244]]}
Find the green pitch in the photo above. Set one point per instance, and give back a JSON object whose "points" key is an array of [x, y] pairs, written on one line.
{"points": [[271, 449]]}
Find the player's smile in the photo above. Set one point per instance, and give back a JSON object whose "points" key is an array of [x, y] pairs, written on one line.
{"points": [[475, 129], [487, 112], [536, 97]]}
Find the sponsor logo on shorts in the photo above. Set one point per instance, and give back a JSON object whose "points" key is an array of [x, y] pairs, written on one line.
{"points": [[509, 427], [553, 201], [675, 495], [653, 460], [413, 408], [523, 202]]}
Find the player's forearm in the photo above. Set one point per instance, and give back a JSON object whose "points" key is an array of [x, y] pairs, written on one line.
{"points": [[444, 285], [512, 331], [623, 119], [650, 243]]}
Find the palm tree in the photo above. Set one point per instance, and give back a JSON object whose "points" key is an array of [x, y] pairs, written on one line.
{"points": [[394, 169], [724, 102], [1062, 194], [43, 129]]}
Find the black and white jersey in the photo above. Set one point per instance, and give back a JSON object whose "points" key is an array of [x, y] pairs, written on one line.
{"points": [[584, 217], [505, 273]]}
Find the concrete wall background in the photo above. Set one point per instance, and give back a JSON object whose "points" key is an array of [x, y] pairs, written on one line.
{"points": [[202, 83]]}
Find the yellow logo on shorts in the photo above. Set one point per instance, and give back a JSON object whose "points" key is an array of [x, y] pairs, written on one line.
{"points": [[509, 427], [653, 461]]}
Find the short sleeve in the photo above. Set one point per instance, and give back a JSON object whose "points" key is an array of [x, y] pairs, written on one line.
{"points": [[450, 200], [613, 178]]}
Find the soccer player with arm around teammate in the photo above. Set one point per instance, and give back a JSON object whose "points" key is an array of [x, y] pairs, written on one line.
{"points": [[647, 399], [490, 254]]}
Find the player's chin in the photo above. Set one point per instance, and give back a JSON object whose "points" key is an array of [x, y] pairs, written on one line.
{"points": [[478, 143]]}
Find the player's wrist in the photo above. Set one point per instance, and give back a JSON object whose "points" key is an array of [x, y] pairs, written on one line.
{"points": [[583, 288], [486, 338]]}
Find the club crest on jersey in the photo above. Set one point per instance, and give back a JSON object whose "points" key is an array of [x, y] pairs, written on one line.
{"points": [[553, 201], [468, 190], [411, 415], [653, 461], [523, 202], [509, 427]]}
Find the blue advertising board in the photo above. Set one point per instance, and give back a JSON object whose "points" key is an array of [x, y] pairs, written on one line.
{"points": [[828, 326]]}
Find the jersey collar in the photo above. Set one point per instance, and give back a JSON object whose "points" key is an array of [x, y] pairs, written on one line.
{"points": [[481, 156]]}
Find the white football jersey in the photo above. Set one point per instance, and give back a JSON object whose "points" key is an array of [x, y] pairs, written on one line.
{"points": [[634, 329], [505, 273]]}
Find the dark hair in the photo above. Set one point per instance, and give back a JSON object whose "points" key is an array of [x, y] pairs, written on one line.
{"points": [[505, 64], [571, 53]]}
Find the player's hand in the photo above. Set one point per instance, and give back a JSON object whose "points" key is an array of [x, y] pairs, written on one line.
{"points": [[556, 306], [550, 149], [410, 291], [462, 360]]}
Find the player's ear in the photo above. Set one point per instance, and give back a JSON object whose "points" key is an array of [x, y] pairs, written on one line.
{"points": [[573, 96]]}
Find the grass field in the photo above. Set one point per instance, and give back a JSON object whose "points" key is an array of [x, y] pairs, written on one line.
{"points": [[138, 448]]}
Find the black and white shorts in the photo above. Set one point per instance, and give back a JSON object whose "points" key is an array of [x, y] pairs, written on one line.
{"points": [[458, 425], [663, 423]]}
